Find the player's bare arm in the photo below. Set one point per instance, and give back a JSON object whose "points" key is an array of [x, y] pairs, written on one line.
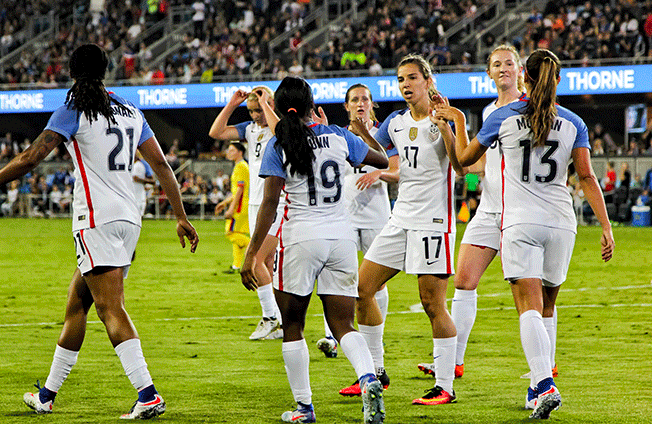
{"points": [[31, 157]]}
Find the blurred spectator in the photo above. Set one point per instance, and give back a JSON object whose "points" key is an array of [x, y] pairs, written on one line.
{"points": [[597, 147], [599, 133], [633, 148], [198, 18], [609, 181], [171, 155], [10, 206]]}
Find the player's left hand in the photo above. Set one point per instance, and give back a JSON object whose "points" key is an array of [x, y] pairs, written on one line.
{"points": [[320, 116], [247, 276], [186, 230], [367, 180]]}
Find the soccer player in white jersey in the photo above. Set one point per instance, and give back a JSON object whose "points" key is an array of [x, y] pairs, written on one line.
{"points": [[102, 132], [257, 134], [420, 235], [316, 240], [481, 240], [365, 193], [538, 139], [141, 176]]}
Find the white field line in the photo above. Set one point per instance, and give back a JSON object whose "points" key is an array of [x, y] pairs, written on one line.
{"points": [[417, 308]]}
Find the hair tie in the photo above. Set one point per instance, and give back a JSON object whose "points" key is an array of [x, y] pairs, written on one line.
{"points": [[292, 110]]}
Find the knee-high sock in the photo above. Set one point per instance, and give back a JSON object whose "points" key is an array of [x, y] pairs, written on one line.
{"points": [[536, 345], [327, 329], [133, 362], [297, 367], [373, 335], [356, 350], [62, 363], [239, 242], [463, 311], [444, 353], [267, 301], [382, 297], [551, 329]]}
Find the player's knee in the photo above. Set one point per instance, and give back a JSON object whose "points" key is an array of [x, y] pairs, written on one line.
{"points": [[463, 280]]}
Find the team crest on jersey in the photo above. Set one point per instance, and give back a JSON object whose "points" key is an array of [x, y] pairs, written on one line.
{"points": [[414, 131], [260, 136]]}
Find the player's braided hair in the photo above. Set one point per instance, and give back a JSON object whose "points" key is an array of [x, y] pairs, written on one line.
{"points": [[88, 95], [294, 102]]}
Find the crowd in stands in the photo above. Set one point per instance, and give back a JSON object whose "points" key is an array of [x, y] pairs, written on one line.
{"points": [[230, 37]]}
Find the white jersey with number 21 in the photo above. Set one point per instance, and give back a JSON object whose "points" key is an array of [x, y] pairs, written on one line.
{"points": [[103, 154]]}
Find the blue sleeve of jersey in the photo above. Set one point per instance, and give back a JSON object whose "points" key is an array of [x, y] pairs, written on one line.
{"points": [[382, 135], [582, 137], [242, 129], [64, 121], [147, 132], [358, 149], [148, 169], [489, 131], [272, 163]]}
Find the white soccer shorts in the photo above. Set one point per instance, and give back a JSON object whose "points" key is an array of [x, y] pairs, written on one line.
{"points": [[483, 230], [536, 251], [413, 251], [364, 237], [253, 215], [111, 244], [333, 263]]}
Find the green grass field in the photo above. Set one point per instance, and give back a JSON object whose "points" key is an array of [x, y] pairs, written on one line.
{"points": [[194, 322]]}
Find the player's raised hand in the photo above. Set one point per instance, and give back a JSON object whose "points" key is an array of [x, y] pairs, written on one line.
{"points": [[239, 96], [320, 116]]}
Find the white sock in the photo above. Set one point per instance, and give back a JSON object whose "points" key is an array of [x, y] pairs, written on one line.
{"points": [[382, 297], [444, 353], [357, 352], [267, 301], [297, 367], [62, 363], [133, 362], [463, 311], [551, 329], [373, 335], [327, 329], [536, 345]]}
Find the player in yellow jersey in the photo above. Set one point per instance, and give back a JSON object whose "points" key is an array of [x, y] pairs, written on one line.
{"points": [[237, 222]]}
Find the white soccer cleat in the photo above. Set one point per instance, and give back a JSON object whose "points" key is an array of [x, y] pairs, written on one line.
{"points": [[264, 328], [328, 345], [303, 414], [146, 410], [33, 401], [373, 405], [530, 399], [545, 403], [275, 335]]}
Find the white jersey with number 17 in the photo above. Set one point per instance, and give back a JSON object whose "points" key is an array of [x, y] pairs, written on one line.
{"points": [[425, 186], [103, 154]]}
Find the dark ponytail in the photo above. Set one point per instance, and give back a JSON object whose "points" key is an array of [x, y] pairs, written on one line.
{"points": [[543, 69], [88, 95], [293, 99]]}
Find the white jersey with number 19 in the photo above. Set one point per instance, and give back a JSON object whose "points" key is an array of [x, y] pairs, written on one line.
{"points": [[103, 154], [534, 178], [315, 207]]}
